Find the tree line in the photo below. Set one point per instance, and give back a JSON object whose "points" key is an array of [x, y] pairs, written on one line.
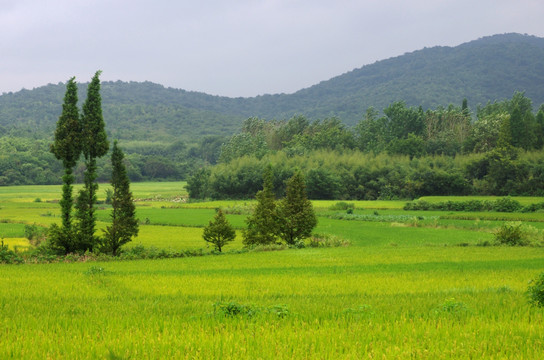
{"points": [[398, 129], [404, 153], [27, 161]]}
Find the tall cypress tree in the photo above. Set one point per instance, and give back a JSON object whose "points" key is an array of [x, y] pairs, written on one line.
{"points": [[67, 148], [95, 145], [124, 223]]}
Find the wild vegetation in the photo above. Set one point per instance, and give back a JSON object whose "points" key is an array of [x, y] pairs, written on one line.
{"points": [[406, 153]]}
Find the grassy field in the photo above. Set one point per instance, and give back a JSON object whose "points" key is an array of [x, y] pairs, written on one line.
{"points": [[410, 285]]}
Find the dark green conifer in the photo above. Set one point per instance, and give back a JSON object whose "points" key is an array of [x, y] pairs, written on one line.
{"points": [[67, 148], [262, 225], [95, 145], [295, 211], [124, 223], [219, 232]]}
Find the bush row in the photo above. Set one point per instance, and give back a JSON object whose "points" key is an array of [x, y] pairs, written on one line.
{"points": [[505, 204]]}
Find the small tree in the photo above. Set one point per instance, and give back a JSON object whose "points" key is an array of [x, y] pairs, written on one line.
{"points": [[124, 223], [263, 223], [295, 211], [219, 232]]}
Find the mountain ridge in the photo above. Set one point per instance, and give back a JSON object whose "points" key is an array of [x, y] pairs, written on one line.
{"points": [[483, 70]]}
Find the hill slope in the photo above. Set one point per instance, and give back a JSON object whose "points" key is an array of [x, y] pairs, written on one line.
{"points": [[487, 69]]}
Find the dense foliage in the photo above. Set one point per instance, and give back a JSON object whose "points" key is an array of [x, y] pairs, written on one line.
{"points": [[85, 134], [262, 224], [290, 219], [94, 145], [506, 204], [67, 148], [295, 211], [124, 222], [405, 153], [355, 175]]}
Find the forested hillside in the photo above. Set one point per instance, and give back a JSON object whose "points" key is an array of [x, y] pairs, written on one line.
{"points": [[488, 69], [167, 132]]}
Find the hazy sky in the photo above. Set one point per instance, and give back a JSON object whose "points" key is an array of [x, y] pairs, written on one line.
{"points": [[235, 47]]}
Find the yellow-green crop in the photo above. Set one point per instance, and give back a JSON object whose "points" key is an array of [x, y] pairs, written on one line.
{"points": [[407, 289]]}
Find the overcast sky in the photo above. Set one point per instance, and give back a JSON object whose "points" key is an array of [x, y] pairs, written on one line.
{"points": [[235, 47]]}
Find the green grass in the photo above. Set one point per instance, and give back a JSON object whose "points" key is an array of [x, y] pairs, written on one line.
{"points": [[342, 302], [178, 216], [402, 289]]}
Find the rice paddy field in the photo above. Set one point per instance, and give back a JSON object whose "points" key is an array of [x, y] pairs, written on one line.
{"points": [[411, 285]]}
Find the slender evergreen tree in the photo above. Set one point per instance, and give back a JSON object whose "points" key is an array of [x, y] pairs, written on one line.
{"points": [[219, 232], [94, 145], [262, 225], [124, 223], [67, 148], [295, 211]]}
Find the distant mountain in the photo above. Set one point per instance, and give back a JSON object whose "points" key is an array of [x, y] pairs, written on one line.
{"points": [[488, 69]]}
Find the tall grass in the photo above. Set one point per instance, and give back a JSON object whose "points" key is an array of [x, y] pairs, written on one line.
{"points": [[342, 302]]}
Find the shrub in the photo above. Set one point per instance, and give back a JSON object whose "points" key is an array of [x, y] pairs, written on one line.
{"points": [[280, 311], [506, 204], [451, 306], [231, 309], [342, 205], [418, 205], [327, 240], [511, 233], [533, 207], [536, 291], [35, 234]]}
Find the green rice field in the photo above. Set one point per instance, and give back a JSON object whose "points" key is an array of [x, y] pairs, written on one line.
{"points": [[411, 285]]}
